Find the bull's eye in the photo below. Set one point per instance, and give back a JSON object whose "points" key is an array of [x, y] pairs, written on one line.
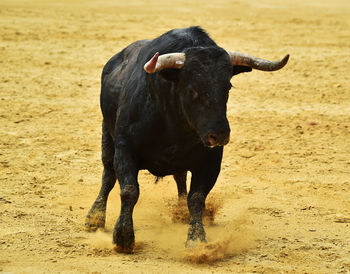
{"points": [[194, 94]]}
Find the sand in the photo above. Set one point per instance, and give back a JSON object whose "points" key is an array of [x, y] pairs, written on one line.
{"points": [[282, 200]]}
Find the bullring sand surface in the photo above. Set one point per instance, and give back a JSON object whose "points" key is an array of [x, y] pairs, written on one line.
{"points": [[282, 200]]}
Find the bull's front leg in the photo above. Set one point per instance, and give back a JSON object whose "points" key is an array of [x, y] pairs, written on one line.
{"points": [[203, 180], [126, 171]]}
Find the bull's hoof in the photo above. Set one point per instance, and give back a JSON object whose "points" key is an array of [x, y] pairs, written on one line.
{"points": [[194, 244], [123, 237], [94, 221], [195, 232], [125, 250], [191, 244]]}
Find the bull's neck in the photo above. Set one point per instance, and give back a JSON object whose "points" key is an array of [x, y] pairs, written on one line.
{"points": [[169, 105]]}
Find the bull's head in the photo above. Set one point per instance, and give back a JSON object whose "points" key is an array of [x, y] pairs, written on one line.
{"points": [[203, 82]]}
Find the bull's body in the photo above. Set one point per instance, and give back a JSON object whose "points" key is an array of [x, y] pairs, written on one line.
{"points": [[158, 136], [168, 122]]}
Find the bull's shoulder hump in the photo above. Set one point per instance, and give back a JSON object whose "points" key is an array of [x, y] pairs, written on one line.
{"points": [[122, 57]]}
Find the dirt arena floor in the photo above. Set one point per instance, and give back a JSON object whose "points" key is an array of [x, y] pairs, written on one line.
{"points": [[283, 195]]}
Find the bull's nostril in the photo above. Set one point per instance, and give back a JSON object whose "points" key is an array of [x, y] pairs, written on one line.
{"points": [[212, 138], [219, 139]]}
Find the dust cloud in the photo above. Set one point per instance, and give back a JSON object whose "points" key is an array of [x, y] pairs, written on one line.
{"points": [[180, 213], [101, 239], [161, 223], [224, 241]]}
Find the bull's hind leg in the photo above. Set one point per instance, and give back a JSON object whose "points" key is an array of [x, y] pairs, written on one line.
{"points": [[203, 180], [180, 179], [97, 214]]}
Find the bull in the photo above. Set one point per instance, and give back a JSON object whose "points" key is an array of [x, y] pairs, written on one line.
{"points": [[164, 105]]}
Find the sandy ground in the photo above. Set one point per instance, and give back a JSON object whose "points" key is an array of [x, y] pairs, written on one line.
{"points": [[283, 195]]}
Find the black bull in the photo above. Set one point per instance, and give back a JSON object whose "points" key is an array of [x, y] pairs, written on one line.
{"points": [[166, 113]]}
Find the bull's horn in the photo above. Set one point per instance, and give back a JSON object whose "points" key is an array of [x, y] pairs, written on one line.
{"points": [[242, 59], [170, 60]]}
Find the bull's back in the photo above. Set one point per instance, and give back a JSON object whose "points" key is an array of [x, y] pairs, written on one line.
{"points": [[127, 56], [115, 75]]}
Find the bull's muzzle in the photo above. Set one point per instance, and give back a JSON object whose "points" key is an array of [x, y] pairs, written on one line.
{"points": [[218, 139]]}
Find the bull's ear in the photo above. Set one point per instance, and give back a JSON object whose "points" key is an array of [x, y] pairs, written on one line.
{"points": [[239, 69], [170, 74]]}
